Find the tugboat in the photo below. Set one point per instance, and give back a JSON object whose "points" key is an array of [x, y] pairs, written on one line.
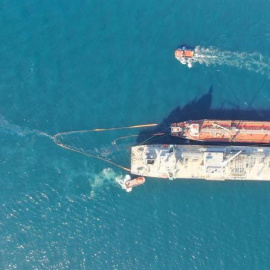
{"points": [[131, 183], [184, 51], [185, 54]]}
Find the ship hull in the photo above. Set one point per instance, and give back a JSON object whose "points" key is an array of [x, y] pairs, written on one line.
{"points": [[236, 131], [201, 162]]}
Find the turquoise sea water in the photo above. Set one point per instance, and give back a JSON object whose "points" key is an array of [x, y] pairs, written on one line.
{"points": [[68, 65]]}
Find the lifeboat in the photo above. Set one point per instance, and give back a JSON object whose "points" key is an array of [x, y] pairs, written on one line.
{"points": [[129, 184], [184, 52]]}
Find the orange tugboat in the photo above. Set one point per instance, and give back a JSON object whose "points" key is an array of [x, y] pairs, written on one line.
{"points": [[223, 131], [131, 183], [184, 52]]}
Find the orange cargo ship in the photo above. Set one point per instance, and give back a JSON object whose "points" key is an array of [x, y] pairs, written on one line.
{"points": [[223, 131]]}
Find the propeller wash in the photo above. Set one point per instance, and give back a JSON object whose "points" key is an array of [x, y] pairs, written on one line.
{"points": [[255, 62]]}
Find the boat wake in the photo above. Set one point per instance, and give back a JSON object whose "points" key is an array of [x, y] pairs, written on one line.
{"points": [[255, 62], [93, 143], [106, 178], [13, 129]]}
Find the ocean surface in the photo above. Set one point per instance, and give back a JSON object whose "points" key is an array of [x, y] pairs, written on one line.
{"points": [[75, 65]]}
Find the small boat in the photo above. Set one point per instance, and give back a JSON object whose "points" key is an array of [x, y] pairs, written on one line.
{"points": [[184, 52], [129, 184]]}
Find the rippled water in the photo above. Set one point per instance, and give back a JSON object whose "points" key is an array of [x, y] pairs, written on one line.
{"points": [[94, 64]]}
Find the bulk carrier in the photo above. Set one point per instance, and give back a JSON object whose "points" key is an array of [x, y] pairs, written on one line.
{"points": [[236, 131], [201, 162]]}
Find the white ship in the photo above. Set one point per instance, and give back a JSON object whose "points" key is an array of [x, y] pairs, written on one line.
{"points": [[201, 162]]}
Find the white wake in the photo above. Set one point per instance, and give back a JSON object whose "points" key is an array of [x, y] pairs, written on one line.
{"points": [[13, 129], [255, 62], [106, 178]]}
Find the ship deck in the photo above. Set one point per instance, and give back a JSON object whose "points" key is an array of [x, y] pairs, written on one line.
{"points": [[227, 131], [201, 162]]}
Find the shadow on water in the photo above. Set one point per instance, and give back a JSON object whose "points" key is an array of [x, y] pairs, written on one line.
{"points": [[199, 109]]}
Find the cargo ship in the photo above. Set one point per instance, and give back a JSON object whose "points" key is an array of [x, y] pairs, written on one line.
{"points": [[201, 162], [236, 131]]}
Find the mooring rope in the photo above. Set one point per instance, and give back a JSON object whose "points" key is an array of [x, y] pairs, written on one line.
{"points": [[57, 142], [102, 129], [89, 155]]}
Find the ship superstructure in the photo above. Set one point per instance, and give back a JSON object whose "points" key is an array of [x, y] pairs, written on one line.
{"points": [[201, 162], [237, 131]]}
